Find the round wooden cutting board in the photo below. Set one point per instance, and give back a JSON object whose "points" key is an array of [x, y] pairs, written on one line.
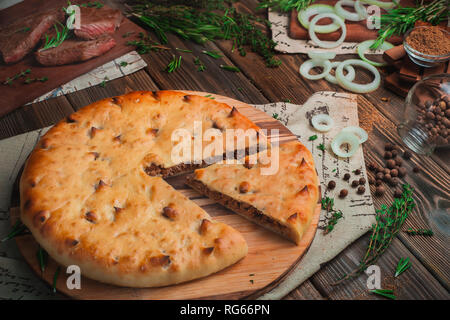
{"points": [[270, 258]]}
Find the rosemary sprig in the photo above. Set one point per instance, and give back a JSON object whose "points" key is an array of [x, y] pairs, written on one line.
{"points": [[199, 64], [389, 221], [203, 24], [17, 230], [422, 232], [230, 68], [213, 54], [146, 44], [53, 42], [285, 5], [42, 257], [183, 50], [23, 73], [385, 293], [92, 4], [401, 19], [402, 265], [174, 64]]}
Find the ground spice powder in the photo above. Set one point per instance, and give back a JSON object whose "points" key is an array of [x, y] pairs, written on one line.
{"points": [[429, 40]]}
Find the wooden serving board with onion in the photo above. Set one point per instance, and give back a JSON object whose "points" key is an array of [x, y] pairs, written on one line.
{"points": [[357, 31], [270, 257]]}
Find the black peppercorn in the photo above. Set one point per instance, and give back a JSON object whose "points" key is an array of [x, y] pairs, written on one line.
{"points": [[361, 190], [355, 183], [346, 176], [343, 193], [331, 184]]}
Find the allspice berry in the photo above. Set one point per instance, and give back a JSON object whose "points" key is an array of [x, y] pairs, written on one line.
{"points": [[361, 190], [378, 183], [331, 184], [386, 171], [388, 146], [347, 176], [371, 180], [393, 182], [343, 193], [390, 164], [362, 181], [416, 169], [357, 172], [387, 177], [372, 166], [355, 183], [379, 176], [398, 161], [388, 155], [379, 191], [394, 153], [394, 172]]}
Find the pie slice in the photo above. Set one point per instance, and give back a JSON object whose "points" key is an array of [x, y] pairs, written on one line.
{"points": [[89, 198], [283, 201]]}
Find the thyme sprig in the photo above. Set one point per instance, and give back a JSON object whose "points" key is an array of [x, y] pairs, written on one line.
{"points": [[422, 232], [328, 205], [388, 293], [389, 221], [402, 265], [22, 73], [203, 24], [174, 64], [401, 19], [284, 5]]}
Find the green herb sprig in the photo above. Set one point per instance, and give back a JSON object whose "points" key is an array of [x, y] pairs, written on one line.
{"points": [[204, 24], [230, 68], [55, 278], [174, 64], [421, 232], [54, 42], [328, 205], [17, 230], [146, 44], [31, 80], [213, 54], [389, 221], [312, 138], [199, 64], [23, 73], [399, 20], [385, 293], [321, 147], [275, 116], [42, 257], [92, 4], [284, 5], [402, 265]]}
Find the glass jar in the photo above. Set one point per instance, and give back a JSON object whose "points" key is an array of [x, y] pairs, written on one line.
{"points": [[426, 121]]}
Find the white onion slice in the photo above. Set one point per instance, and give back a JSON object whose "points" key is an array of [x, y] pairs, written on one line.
{"points": [[304, 15], [356, 87], [309, 64], [322, 122], [360, 133], [320, 55], [327, 44], [347, 15], [361, 10], [344, 138], [365, 45], [350, 76], [381, 4]]}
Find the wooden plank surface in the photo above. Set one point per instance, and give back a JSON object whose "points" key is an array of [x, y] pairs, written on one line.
{"points": [[258, 84]]}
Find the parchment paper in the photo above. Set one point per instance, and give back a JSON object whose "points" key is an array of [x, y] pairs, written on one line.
{"points": [[357, 209]]}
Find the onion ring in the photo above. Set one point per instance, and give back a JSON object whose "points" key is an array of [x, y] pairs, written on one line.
{"points": [[320, 55], [381, 4], [309, 64], [350, 76], [319, 42], [304, 15], [356, 87], [360, 133], [365, 45], [344, 138], [361, 10], [318, 122], [344, 14]]}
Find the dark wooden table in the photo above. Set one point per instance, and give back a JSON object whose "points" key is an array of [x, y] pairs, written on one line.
{"points": [[429, 276]]}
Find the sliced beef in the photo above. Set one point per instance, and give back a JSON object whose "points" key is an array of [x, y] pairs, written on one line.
{"points": [[71, 51], [18, 39], [96, 22]]}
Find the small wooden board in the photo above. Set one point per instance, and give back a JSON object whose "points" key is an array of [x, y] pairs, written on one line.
{"points": [[270, 258], [357, 31], [19, 93]]}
